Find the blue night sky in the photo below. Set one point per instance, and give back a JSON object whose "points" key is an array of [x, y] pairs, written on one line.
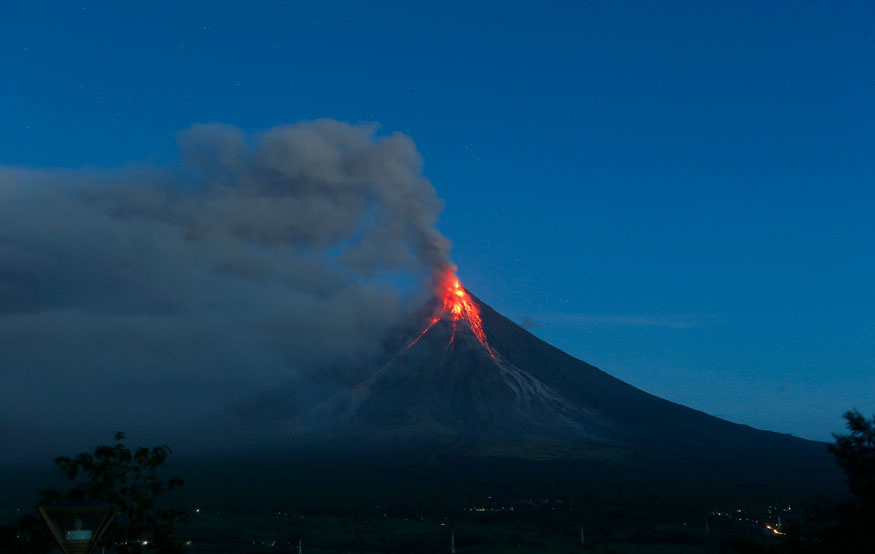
{"points": [[678, 193]]}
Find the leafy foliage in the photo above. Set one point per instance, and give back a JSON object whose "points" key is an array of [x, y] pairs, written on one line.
{"points": [[120, 476], [855, 454], [848, 527]]}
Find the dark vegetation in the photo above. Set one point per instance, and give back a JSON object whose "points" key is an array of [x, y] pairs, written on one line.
{"points": [[407, 503], [115, 474], [412, 502]]}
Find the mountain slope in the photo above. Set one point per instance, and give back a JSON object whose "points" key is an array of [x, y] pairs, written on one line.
{"points": [[448, 387]]}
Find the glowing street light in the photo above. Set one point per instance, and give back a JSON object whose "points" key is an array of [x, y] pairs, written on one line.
{"points": [[77, 526]]}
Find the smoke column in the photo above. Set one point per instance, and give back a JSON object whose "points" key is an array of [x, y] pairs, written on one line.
{"points": [[155, 294]]}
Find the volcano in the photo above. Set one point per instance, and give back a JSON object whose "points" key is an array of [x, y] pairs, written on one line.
{"points": [[462, 377], [465, 404]]}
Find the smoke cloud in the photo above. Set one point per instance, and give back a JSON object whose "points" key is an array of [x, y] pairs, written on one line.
{"points": [[139, 296]]}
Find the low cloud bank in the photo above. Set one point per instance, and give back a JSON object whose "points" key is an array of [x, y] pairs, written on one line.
{"points": [[138, 297]]}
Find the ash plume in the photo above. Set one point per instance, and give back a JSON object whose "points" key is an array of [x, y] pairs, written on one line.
{"points": [[146, 293]]}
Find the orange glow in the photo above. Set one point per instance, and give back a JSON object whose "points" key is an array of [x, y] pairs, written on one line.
{"points": [[774, 530], [457, 306], [430, 325]]}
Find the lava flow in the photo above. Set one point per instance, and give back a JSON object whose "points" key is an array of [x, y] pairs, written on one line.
{"points": [[457, 305]]}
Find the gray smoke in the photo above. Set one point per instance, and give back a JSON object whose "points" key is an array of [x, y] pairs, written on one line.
{"points": [[148, 294]]}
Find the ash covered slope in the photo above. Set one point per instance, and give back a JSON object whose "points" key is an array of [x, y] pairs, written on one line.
{"points": [[448, 386], [635, 417]]}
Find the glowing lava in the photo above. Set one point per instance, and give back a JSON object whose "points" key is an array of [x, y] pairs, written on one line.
{"points": [[457, 305]]}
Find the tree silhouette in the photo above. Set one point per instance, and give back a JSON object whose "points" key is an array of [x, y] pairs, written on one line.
{"points": [[855, 454], [117, 475]]}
